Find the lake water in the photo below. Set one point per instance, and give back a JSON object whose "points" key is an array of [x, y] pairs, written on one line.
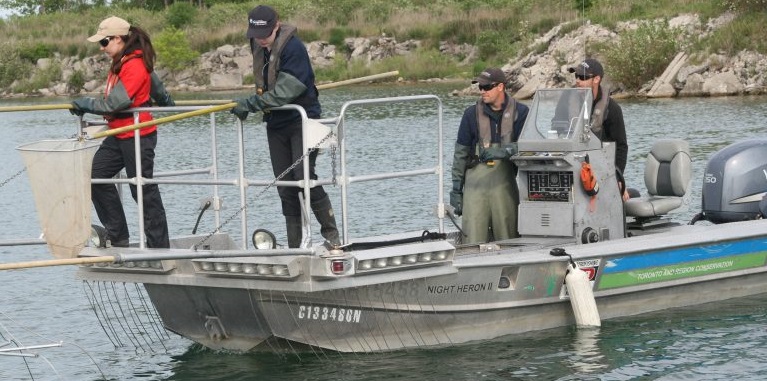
{"points": [[41, 306]]}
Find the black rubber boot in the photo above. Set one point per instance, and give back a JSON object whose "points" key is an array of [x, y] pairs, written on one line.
{"points": [[294, 230], [327, 219]]}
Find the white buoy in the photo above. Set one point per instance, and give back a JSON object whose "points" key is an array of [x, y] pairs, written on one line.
{"points": [[581, 297]]}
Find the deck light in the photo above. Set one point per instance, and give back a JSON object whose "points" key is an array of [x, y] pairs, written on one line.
{"points": [[264, 269], [221, 267], [381, 262], [264, 239]]}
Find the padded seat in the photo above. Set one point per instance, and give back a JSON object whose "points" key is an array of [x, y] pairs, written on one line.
{"points": [[667, 174]]}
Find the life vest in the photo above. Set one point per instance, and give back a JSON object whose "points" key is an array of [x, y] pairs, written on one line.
{"points": [[263, 84], [259, 54], [506, 124], [599, 112]]}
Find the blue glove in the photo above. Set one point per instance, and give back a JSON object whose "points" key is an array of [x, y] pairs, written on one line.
{"points": [[456, 201], [242, 109], [80, 106]]}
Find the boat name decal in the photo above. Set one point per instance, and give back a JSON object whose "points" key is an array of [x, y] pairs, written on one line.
{"points": [[459, 288], [338, 314]]}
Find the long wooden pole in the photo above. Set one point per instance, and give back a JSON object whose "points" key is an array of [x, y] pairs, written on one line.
{"points": [[67, 106], [56, 262], [64, 106], [324, 86]]}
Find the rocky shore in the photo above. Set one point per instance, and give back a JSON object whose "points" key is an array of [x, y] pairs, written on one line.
{"points": [[226, 67]]}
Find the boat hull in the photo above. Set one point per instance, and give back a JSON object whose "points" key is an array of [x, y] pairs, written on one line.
{"points": [[477, 294]]}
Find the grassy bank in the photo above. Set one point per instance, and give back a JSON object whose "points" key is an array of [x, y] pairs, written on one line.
{"points": [[502, 29]]}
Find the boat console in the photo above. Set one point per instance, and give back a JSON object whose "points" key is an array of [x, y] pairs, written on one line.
{"points": [[556, 147]]}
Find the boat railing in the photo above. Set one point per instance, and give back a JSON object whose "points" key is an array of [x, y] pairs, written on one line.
{"points": [[343, 179]]}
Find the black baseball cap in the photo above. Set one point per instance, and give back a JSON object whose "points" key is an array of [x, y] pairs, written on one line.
{"points": [[588, 68], [261, 21], [489, 76]]}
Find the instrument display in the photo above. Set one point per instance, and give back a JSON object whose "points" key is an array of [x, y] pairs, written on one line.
{"points": [[549, 186]]}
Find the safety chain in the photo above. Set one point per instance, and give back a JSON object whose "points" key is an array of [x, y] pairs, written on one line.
{"points": [[17, 174], [334, 173], [266, 188]]}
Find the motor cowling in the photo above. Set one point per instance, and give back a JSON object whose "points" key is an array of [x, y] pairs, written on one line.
{"points": [[735, 182]]}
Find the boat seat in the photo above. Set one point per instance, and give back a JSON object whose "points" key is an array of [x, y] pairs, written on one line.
{"points": [[667, 175]]}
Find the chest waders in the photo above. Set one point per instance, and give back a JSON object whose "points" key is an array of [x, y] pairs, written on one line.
{"points": [[490, 200], [490, 193]]}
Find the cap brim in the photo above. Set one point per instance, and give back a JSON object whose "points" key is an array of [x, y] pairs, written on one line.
{"points": [[96, 38], [482, 81]]}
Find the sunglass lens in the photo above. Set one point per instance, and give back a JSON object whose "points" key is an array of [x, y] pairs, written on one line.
{"points": [[487, 87], [104, 41]]}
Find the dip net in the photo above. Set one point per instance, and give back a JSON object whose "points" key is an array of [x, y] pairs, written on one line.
{"points": [[60, 177]]}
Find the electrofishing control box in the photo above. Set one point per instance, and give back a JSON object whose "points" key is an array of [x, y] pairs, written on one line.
{"points": [[567, 180]]}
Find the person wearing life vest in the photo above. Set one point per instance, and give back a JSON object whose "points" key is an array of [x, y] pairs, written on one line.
{"points": [[284, 75], [606, 115], [485, 188], [131, 82]]}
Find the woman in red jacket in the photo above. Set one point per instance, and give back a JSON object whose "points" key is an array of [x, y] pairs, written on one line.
{"points": [[131, 82]]}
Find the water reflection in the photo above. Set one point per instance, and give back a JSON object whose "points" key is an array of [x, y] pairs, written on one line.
{"points": [[587, 357]]}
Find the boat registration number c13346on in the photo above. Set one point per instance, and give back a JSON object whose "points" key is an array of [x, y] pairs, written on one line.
{"points": [[324, 313]]}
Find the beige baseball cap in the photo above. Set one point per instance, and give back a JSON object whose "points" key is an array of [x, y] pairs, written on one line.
{"points": [[113, 26]]}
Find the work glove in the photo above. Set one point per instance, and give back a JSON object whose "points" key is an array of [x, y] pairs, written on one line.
{"points": [[80, 106], [241, 110], [456, 201], [245, 106], [496, 152]]}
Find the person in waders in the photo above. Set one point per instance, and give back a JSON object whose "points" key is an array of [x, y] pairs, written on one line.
{"points": [[283, 74], [485, 188]]}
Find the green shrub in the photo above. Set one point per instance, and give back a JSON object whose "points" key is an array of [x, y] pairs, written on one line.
{"points": [[173, 50], [179, 15], [641, 55], [34, 52], [746, 5], [76, 81], [11, 65]]}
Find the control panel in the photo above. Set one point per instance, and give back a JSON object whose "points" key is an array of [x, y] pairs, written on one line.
{"points": [[549, 185]]}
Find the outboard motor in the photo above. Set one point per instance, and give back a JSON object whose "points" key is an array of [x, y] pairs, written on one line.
{"points": [[735, 183]]}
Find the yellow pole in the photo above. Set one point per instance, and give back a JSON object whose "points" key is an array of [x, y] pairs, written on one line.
{"points": [[166, 119], [56, 262]]}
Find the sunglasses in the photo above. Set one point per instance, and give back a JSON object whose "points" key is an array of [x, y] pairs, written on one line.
{"points": [[104, 41], [487, 87], [582, 77]]}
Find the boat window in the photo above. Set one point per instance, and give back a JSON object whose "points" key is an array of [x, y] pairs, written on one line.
{"points": [[557, 114]]}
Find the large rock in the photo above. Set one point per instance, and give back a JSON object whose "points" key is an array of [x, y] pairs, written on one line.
{"points": [[693, 86], [723, 84]]}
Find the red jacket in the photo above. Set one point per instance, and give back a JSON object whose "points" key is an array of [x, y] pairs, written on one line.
{"points": [[136, 82]]}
